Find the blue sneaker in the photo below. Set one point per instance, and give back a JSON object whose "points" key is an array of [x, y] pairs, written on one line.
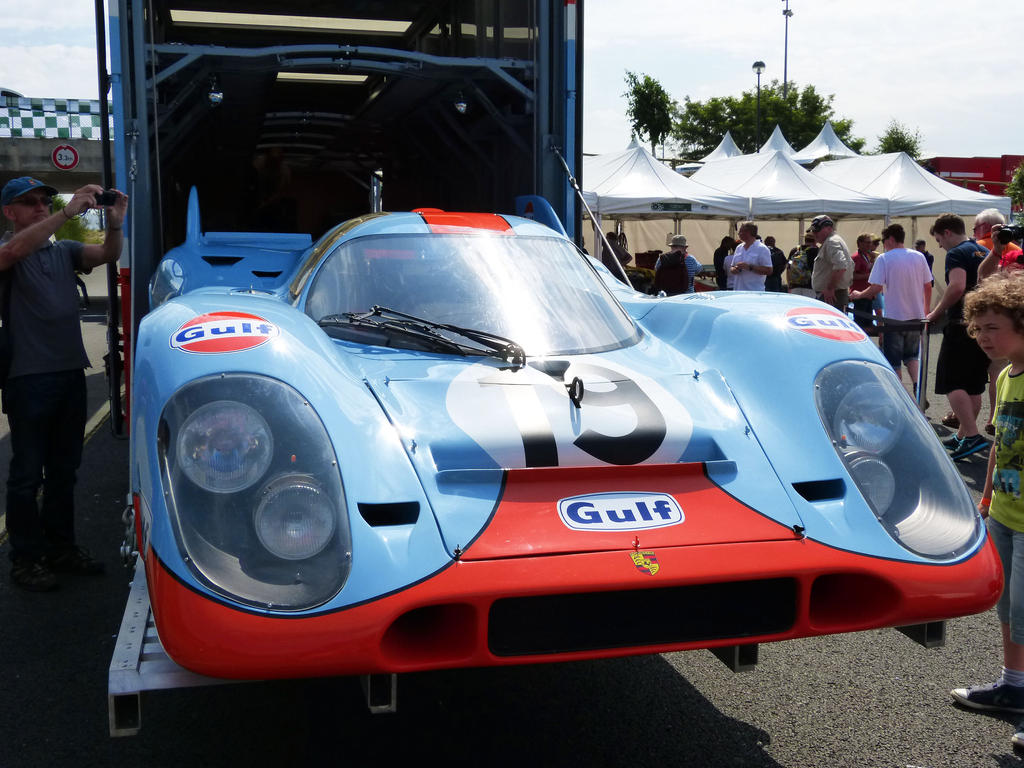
{"points": [[969, 446], [951, 443], [997, 697]]}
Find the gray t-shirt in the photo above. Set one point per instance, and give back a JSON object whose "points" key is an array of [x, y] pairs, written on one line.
{"points": [[833, 255], [45, 327]]}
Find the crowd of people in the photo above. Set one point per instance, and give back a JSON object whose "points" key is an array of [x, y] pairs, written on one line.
{"points": [[885, 286]]}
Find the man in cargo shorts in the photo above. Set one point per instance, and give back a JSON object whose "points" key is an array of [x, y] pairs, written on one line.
{"points": [[962, 369], [907, 281]]}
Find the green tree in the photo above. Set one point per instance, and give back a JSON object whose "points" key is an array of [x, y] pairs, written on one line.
{"points": [[899, 138], [650, 109], [73, 229], [800, 114], [1015, 189]]}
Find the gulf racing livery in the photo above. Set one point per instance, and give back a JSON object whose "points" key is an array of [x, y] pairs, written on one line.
{"points": [[434, 440]]}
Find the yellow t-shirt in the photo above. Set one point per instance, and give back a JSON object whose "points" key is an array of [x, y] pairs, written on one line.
{"points": [[1007, 505]]}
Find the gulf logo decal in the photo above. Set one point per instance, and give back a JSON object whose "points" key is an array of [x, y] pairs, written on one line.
{"points": [[220, 332], [619, 511], [824, 323]]}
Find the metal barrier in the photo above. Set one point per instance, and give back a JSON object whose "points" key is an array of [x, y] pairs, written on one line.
{"points": [[922, 350]]}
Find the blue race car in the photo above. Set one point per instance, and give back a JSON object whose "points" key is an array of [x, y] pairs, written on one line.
{"points": [[434, 440]]}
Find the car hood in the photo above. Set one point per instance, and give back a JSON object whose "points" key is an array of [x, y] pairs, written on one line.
{"points": [[469, 426]]}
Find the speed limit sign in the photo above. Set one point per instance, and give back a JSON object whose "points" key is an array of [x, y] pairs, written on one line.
{"points": [[64, 157]]}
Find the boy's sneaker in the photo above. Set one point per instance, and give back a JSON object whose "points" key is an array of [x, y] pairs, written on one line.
{"points": [[33, 575], [952, 442], [76, 560], [969, 446], [995, 697]]}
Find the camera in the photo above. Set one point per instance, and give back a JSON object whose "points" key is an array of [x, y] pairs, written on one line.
{"points": [[1008, 233], [109, 197]]}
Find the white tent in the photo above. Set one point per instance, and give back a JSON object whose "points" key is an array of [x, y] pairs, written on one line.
{"points": [[777, 142], [726, 148], [634, 183], [909, 189], [776, 186], [825, 144]]}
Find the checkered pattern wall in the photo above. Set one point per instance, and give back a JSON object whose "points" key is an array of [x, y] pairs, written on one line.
{"points": [[50, 118]]}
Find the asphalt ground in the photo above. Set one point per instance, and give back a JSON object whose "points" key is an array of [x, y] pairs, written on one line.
{"points": [[863, 699]]}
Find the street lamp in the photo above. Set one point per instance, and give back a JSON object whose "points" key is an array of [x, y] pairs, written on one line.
{"points": [[785, 52], [758, 68]]}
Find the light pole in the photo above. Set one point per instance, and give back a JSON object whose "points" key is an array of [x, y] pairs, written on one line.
{"points": [[758, 68], [785, 52]]}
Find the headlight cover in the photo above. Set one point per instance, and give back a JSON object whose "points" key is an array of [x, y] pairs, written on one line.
{"points": [[225, 447], [895, 461], [254, 492]]}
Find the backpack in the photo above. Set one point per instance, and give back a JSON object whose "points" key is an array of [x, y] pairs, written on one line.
{"points": [[672, 277], [798, 272]]}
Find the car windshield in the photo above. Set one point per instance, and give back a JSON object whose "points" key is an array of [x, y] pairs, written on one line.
{"points": [[537, 291]]}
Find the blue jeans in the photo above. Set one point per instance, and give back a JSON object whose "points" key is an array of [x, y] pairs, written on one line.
{"points": [[46, 412], [1010, 608]]}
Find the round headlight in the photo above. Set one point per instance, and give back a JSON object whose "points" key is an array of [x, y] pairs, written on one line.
{"points": [[875, 480], [295, 519], [869, 419], [225, 446]]}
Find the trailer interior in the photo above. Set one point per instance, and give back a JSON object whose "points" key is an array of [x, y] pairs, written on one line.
{"points": [[287, 115]]}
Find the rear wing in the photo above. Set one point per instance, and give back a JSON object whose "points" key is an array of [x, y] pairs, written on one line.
{"points": [[262, 261]]}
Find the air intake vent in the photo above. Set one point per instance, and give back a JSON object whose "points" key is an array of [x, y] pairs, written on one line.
{"points": [[222, 261], [522, 626], [821, 490], [395, 513]]}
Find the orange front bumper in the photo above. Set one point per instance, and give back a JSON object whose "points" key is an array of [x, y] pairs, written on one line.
{"points": [[575, 606]]}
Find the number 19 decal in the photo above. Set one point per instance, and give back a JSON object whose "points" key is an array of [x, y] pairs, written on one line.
{"points": [[530, 421]]}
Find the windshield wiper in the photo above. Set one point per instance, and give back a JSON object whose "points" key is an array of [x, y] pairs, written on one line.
{"points": [[430, 333]]}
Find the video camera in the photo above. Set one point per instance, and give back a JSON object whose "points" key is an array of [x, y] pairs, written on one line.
{"points": [[1008, 233]]}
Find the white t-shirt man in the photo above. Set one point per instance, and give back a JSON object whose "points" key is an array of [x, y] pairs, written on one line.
{"points": [[755, 254], [903, 273]]}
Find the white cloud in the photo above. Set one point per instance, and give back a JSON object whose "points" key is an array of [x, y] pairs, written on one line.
{"points": [[926, 63], [52, 71]]}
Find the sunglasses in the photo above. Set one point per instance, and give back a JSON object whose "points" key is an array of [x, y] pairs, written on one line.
{"points": [[32, 202]]}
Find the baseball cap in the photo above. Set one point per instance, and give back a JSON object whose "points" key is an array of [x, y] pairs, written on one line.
{"points": [[678, 240], [818, 223], [15, 188]]}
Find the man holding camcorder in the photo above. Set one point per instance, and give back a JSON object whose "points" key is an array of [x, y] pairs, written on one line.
{"points": [[44, 386]]}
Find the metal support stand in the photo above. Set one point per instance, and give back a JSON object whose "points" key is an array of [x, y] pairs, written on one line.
{"points": [[141, 664], [381, 693], [931, 634], [738, 658]]}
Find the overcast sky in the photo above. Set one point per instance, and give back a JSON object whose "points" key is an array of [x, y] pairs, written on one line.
{"points": [[931, 64]]}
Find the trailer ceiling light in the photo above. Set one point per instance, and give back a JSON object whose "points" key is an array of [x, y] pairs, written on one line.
{"points": [[320, 77], [187, 18]]}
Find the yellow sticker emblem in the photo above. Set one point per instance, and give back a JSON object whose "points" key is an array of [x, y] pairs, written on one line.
{"points": [[646, 562]]}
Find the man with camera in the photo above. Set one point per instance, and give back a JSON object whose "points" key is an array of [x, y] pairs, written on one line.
{"points": [[1003, 252], [44, 393]]}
